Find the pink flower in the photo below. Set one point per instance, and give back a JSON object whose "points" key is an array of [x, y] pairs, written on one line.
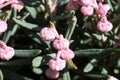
{"points": [[6, 52], [102, 9], [87, 10], [85, 2], [3, 26], [52, 74], [60, 43], [57, 64], [66, 54], [104, 25], [47, 34], [112, 78], [72, 5], [18, 5]]}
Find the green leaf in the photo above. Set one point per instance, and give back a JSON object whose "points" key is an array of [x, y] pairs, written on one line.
{"points": [[71, 65], [32, 11], [36, 37], [66, 75], [1, 75], [87, 34], [99, 37], [42, 60], [9, 33], [27, 53], [88, 67], [62, 2], [37, 70], [36, 62], [25, 24], [104, 71], [96, 76], [116, 20]]}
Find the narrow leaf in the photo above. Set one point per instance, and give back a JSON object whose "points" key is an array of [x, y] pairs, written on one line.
{"points": [[37, 70], [37, 61], [26, 53], [32, 11], [66, 76], [25, 24], [1, 75], [88, 67]]}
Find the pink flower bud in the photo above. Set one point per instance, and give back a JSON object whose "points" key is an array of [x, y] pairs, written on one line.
{"points": [[60, 43], [57, 64], [66, 54], [85, 2], [102, 9], [87, 10], [112, 78], [47, 34], [52, 74], [104, 25], [6, 52], [72, 5], [18, 5], [3, 26]]}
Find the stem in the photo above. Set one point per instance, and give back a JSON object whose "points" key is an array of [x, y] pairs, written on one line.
{"points": [[48, 10], [65, 16], [73, 24], [71, 27]]}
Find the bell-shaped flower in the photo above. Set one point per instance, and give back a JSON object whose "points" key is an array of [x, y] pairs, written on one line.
{"points": [[87, 10], [6, 52], [57, 64], [52, 74], [60, 43], [66, 54]]}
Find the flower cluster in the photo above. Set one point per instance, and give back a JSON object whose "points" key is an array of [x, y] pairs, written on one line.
{"points": [[87, 9], [6, 52], [17, 4], [64, 54]]}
